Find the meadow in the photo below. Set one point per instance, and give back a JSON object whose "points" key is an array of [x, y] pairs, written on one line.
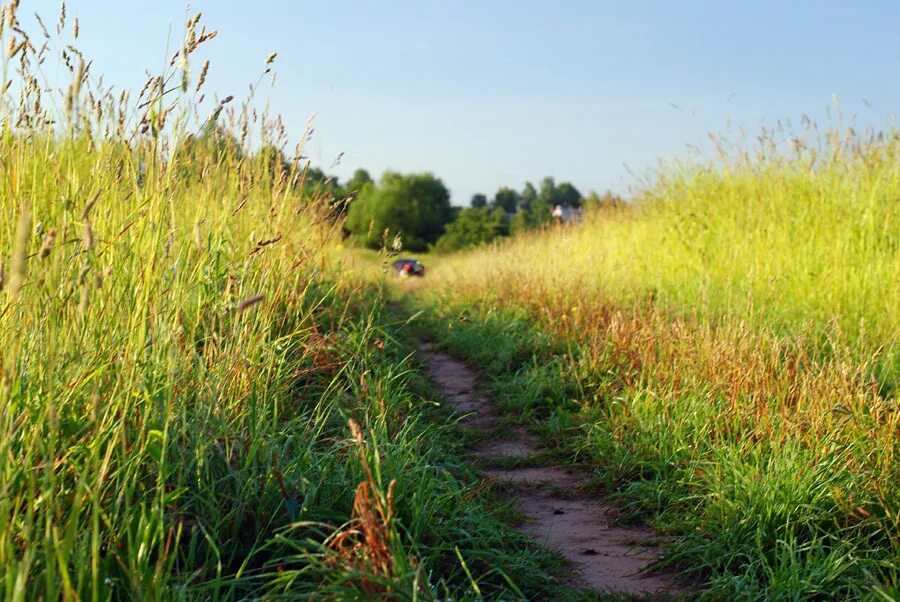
{"points": [[198, 401], [723, 352], [205, 395]]}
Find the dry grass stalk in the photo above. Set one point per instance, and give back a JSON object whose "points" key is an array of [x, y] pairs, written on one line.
{"points": [[47, 245], [20, 250], [365, 543], [249, 302]]}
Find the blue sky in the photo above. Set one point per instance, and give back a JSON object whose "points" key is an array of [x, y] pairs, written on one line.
{"points": [[491, 93]]}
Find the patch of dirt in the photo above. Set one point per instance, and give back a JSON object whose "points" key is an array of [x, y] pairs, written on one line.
{"points": [[506, 448], [604, 557]]}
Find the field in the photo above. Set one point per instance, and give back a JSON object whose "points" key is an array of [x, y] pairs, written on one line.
{"points": [[204, 394], [198, 401], [724, 352]]}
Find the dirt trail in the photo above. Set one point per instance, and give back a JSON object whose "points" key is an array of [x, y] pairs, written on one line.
{"points": [[604, 557]]}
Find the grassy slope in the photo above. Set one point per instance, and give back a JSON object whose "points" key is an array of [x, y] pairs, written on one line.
{"points": [[727, 356]]}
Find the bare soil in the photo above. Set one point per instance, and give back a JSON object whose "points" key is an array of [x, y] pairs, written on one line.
{"points": [[560, 517]]}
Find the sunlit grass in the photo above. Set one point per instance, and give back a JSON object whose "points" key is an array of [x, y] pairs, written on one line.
{"points": [[729, 350], [183, 349]]}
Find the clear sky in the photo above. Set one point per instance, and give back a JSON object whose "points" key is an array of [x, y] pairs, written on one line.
{"points": [[490, 93]]}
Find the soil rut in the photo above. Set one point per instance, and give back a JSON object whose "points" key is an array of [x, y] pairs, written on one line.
{"points": [[604, 557]]}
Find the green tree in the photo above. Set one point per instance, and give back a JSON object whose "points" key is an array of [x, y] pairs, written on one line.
{"points": [[567, 196], [541, 206], [416, 207], [540, 203], [473, 226], [356, 182], [506, 199], [527, 198], [344, 194], [547, 192], [478, 201]]}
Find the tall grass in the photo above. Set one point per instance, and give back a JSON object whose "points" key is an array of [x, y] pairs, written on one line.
{"points": [[195, 403], [728, 354]]}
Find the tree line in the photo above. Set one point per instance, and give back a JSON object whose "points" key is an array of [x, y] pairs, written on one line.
{"points": [[417, 207], [414, 207]]}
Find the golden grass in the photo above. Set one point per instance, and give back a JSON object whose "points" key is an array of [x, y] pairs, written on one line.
{"points": [[752, 307]]}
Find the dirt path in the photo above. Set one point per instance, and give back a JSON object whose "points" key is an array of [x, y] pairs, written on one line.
{"points": [[604, 557]]}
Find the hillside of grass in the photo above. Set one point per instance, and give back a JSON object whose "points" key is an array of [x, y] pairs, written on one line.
{"points": [[724, 352]]}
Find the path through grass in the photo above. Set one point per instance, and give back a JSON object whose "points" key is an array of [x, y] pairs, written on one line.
{"points": [[725, 352], [197, 401]]}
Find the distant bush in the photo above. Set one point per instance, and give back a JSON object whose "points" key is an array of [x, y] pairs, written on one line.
{"points": [[416, 207], [473, 227]]}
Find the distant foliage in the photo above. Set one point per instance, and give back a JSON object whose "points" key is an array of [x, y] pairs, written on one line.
{"points": [[416, 207], [474, 226], [506, 200], [478, 201], [360, 178]]}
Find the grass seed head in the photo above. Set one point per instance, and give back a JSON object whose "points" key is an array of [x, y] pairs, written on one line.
{"points": [[356, 431], [88, 237], [245, 304], [47, 245], [84, 300], [202, 78], [19, 255]]}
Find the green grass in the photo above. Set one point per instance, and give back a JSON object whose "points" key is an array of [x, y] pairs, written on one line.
{"points": [[725, 354], [200, 400], [203, 397]]}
